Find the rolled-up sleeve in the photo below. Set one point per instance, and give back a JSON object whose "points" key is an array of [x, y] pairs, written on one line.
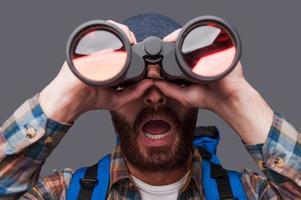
{"points": [[280, 160], [26, 140]]}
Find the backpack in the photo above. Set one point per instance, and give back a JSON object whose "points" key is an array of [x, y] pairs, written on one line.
{"points": [[218, 183]]}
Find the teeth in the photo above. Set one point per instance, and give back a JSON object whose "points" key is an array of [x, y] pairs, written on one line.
{"points": [[155, 137]]}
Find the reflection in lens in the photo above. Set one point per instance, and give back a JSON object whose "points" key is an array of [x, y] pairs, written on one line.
{"points": [[99, 55], [208, 50]]}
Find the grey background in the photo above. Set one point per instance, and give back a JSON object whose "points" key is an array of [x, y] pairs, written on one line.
{"points": [[32, 45]]}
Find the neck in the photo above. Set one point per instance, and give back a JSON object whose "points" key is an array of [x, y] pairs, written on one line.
{"points": [[160, 177]]}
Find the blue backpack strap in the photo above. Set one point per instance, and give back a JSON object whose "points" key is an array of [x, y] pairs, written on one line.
{"points": [[90, 183], [218, 183], [209, 184], [74, 185], [103, 176], [237, 187]]}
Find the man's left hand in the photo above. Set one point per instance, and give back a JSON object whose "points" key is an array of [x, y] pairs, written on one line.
{"points": [[232, 98]]}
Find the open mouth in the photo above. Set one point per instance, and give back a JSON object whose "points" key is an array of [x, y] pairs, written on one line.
{"points": [[156, 129], [156, 132]]}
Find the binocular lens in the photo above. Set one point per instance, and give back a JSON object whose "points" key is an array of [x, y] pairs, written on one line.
{"points": [[98, 54], [208, 49]]}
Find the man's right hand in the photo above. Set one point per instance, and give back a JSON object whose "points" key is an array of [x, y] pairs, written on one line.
{"points": [[67, 97]]}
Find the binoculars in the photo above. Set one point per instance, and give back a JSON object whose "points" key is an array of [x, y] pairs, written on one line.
{"points": [[100, 54]]}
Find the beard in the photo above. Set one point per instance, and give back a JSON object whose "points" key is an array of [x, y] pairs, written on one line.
{"points": [[159, 158]]}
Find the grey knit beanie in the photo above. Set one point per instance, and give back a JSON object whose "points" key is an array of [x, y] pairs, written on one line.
{"points": [[151, 24]]}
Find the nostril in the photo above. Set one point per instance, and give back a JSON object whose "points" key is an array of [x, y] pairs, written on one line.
{"points": [[149, 101], [154, 96]]}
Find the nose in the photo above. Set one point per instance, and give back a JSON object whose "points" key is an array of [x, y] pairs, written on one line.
{"points": [[153, 71], [153, 95]]}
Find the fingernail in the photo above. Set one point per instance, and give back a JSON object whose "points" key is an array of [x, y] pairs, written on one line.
{"points": [[167, 38]]}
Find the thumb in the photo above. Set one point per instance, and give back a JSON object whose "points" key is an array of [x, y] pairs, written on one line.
{"points": [[171, 90], [130, 93], [194, 95], [172, 37]]}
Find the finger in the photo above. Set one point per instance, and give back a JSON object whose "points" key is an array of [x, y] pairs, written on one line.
{"points": [[125, 29], [133, 37], [172, 37], [233, 78], [131, 93], [172, 90], [195, 95]]}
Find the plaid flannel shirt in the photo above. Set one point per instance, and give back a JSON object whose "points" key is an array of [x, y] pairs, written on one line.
{"points": [[28, 137]]}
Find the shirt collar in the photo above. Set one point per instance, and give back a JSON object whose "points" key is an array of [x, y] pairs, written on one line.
{"points": [[119, 170]]}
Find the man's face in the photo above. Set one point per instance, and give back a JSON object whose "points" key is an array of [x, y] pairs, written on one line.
{"points": [[155, 131]]}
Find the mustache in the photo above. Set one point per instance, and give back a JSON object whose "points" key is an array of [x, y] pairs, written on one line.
{"points": [[151, 111]]}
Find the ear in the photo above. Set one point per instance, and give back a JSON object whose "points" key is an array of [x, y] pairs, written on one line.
{"points": [[172, 37]]}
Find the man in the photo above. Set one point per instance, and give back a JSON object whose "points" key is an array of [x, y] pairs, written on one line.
{"points": [[154, 120]]}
